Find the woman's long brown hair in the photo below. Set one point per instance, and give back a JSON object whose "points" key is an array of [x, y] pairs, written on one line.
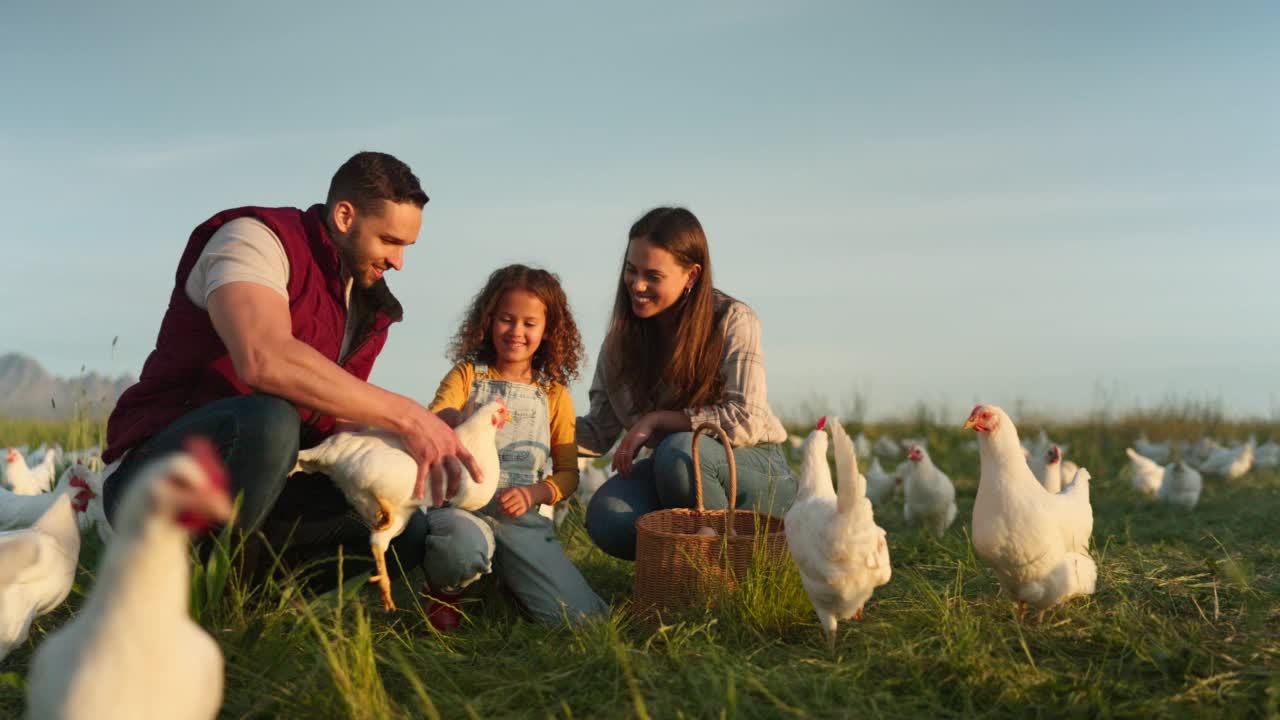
{"points": [[678, 355]]}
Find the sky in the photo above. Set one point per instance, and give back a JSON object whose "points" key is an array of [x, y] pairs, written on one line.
{"points": [[930, 202]]}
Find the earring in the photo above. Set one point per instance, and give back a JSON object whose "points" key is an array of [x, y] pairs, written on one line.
{"points": [[686, 290]]}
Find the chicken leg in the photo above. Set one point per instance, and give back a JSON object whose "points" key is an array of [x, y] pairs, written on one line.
{"points": [[380, 576]]}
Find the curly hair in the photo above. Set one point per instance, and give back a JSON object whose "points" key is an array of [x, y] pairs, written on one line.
{"points": [[558, 355]]}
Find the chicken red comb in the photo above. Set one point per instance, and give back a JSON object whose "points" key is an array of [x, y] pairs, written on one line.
{"points": [[201, 449], [13, 455], [822, 422]]}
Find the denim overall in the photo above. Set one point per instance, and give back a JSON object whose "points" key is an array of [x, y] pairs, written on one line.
{"points": [[528, 558], [524, 441]]}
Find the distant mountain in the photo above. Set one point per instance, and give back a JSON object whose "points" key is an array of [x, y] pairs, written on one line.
{"points": [[28, 390]]}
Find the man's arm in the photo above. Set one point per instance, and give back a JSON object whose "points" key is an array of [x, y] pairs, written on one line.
{"points": [[253, 322]]}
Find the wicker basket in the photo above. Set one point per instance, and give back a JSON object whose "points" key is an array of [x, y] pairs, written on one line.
{"points": [[677, 568]]}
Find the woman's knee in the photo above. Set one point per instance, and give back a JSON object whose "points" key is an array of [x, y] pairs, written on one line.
{"points": [[673, 469], [674, 474], [610, 523]]}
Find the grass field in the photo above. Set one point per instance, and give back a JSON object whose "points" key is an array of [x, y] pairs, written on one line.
{"points": [[1185, 623]]}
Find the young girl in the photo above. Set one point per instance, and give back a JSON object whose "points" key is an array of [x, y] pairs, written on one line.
{"points": [[519, 341], [678, 353]]}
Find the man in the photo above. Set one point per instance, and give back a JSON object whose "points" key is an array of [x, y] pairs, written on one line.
{"points": [[272, 329]]}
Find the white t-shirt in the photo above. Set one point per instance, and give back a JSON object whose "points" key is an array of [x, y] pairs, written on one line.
{"points": [[245, 250]]}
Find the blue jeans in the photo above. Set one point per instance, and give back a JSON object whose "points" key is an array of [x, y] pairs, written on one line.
{"points": [[256, 436], [665, 480], [305, 516]]}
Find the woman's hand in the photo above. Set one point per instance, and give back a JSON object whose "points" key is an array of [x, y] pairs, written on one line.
{"points": [[641, 434], [648, 431]]}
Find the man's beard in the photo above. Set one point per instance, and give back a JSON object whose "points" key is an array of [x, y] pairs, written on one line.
{"points": [[351, 267]]}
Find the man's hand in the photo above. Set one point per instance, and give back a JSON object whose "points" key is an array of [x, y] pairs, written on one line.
{"points": [[341, 426], [439, 453], [253, 321]]}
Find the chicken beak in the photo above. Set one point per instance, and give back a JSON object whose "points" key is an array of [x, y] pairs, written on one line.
{"points": [[970, 424]]}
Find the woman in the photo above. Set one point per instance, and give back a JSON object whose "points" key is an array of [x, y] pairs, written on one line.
{"points": [[679, 353]]}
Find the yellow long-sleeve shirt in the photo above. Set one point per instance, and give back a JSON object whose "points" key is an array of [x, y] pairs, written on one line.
{"points": [[455, 388]]}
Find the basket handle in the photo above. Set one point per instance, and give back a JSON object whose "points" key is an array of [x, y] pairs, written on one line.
{"points": [[733, 471]]}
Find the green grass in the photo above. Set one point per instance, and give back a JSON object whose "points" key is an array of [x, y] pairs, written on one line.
{"points": [[1185, 623]]}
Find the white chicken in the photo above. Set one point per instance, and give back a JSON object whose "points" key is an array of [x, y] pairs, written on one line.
{"points": [[832, 535], [1069, 470], [929, 496], [1148, 475], [133, 651], [1229, 463], [590, 479], [22, 511], [23, 480], [377, 476], [37, 568], [1037, 542], [862, 445], [1201, 450], [37, 456], [880, 484], [1157, 452], [887, 446], [920, 442], [1040, 447], [1181, 485], [90, 457], [95, 515], [557, 513], [1038, 462], [1049, 469], [45, 471]]}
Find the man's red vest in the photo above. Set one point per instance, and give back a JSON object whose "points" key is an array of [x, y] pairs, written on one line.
{"points": [[190, 367]]}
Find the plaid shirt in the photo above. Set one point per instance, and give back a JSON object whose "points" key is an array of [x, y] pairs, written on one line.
{"points": [[744, 414]]}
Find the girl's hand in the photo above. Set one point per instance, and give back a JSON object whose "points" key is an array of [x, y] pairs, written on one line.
{"points": [[516, 501]]}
